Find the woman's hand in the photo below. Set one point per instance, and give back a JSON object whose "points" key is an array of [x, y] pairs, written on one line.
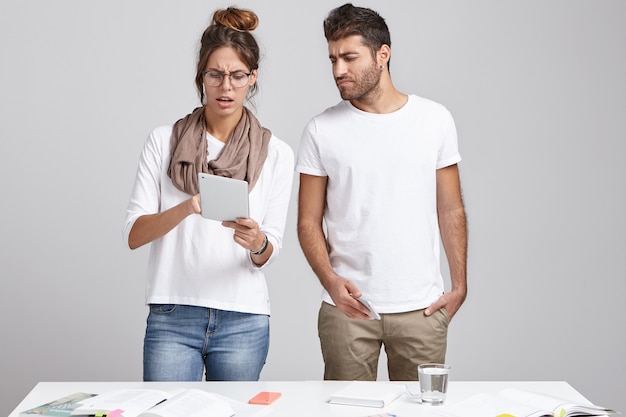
{"points": [[194, 204], [248, 235]]}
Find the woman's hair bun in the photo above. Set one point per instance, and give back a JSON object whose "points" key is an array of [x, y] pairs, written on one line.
{"points": [[240, 20]]}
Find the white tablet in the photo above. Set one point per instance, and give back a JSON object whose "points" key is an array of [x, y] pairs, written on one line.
{"points": [[222, 198]]}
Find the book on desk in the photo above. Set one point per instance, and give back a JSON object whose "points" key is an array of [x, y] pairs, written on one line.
{"points": [[519, 403], [368, 394], [62, 407], [149, 403]]}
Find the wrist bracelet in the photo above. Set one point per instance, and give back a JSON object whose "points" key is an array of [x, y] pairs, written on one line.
{"points": [[263, 248]]}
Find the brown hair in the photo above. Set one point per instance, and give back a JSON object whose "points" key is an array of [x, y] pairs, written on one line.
{"points": [[348, 20], [230, 27]]}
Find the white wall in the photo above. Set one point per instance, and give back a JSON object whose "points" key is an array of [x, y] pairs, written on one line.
{"points": [[538, 92]]}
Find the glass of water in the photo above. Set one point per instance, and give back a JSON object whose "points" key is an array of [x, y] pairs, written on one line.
{"points": [[433, 378]]}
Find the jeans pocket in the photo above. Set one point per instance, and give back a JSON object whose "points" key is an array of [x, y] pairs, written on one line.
{"points": [[162, 308]]}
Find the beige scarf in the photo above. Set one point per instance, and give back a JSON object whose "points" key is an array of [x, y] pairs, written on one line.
{"points": [[242, 157]]}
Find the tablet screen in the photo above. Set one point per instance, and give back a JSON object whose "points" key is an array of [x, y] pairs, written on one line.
{"points": [[222, 198]]}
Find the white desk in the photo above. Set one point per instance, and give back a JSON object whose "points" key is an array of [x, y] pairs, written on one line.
{"points": [[299, 398]]}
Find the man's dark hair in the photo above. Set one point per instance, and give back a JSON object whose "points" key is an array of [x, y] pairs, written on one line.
{"points": [[348, 20]]}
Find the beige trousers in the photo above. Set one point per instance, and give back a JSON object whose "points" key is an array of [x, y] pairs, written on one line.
{"points": [[351, 347]]}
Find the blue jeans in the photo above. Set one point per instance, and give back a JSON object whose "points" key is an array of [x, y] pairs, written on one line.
{"points": [[182, 341]]}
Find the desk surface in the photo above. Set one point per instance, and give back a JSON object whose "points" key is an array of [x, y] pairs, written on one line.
{"points": [[300, 398]]}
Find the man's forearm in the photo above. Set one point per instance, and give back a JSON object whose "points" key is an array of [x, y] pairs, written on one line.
{"points": [[315, 249], [453, 225]]}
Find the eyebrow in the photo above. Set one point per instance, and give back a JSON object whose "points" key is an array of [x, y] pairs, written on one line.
{"points": [[343, 54], [222, 72]]}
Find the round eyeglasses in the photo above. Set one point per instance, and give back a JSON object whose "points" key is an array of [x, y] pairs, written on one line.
{"points": [[238, 79]]}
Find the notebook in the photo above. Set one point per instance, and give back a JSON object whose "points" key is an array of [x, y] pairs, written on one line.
{"points": [[368, 394], [222, 198]]}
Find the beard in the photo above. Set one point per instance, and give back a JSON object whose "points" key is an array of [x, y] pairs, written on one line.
{"points": [[363, 86]]}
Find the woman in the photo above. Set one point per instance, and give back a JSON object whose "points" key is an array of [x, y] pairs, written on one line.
{"points": [[209, 305]]}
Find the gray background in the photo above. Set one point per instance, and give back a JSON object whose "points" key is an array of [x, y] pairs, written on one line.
{"points": [[538, 91]]}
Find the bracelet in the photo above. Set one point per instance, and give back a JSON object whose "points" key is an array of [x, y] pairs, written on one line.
{"points": [[263, 248]]}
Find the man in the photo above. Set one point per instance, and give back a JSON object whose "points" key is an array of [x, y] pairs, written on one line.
{"points": [[379, 170]]}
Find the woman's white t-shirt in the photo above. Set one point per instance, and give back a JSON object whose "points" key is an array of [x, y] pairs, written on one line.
{"points": [[198, 263]]}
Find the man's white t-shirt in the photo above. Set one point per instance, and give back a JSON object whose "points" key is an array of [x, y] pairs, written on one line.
{"points": [[381, 207]]}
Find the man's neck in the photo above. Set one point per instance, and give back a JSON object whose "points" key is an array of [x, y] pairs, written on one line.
{"points": [[388, 103], [385, 99]]}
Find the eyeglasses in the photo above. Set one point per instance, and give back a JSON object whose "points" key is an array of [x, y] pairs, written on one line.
{"points": [[238, 79]]}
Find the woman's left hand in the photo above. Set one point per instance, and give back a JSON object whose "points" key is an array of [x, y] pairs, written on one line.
{"points": [[247, 233]]}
